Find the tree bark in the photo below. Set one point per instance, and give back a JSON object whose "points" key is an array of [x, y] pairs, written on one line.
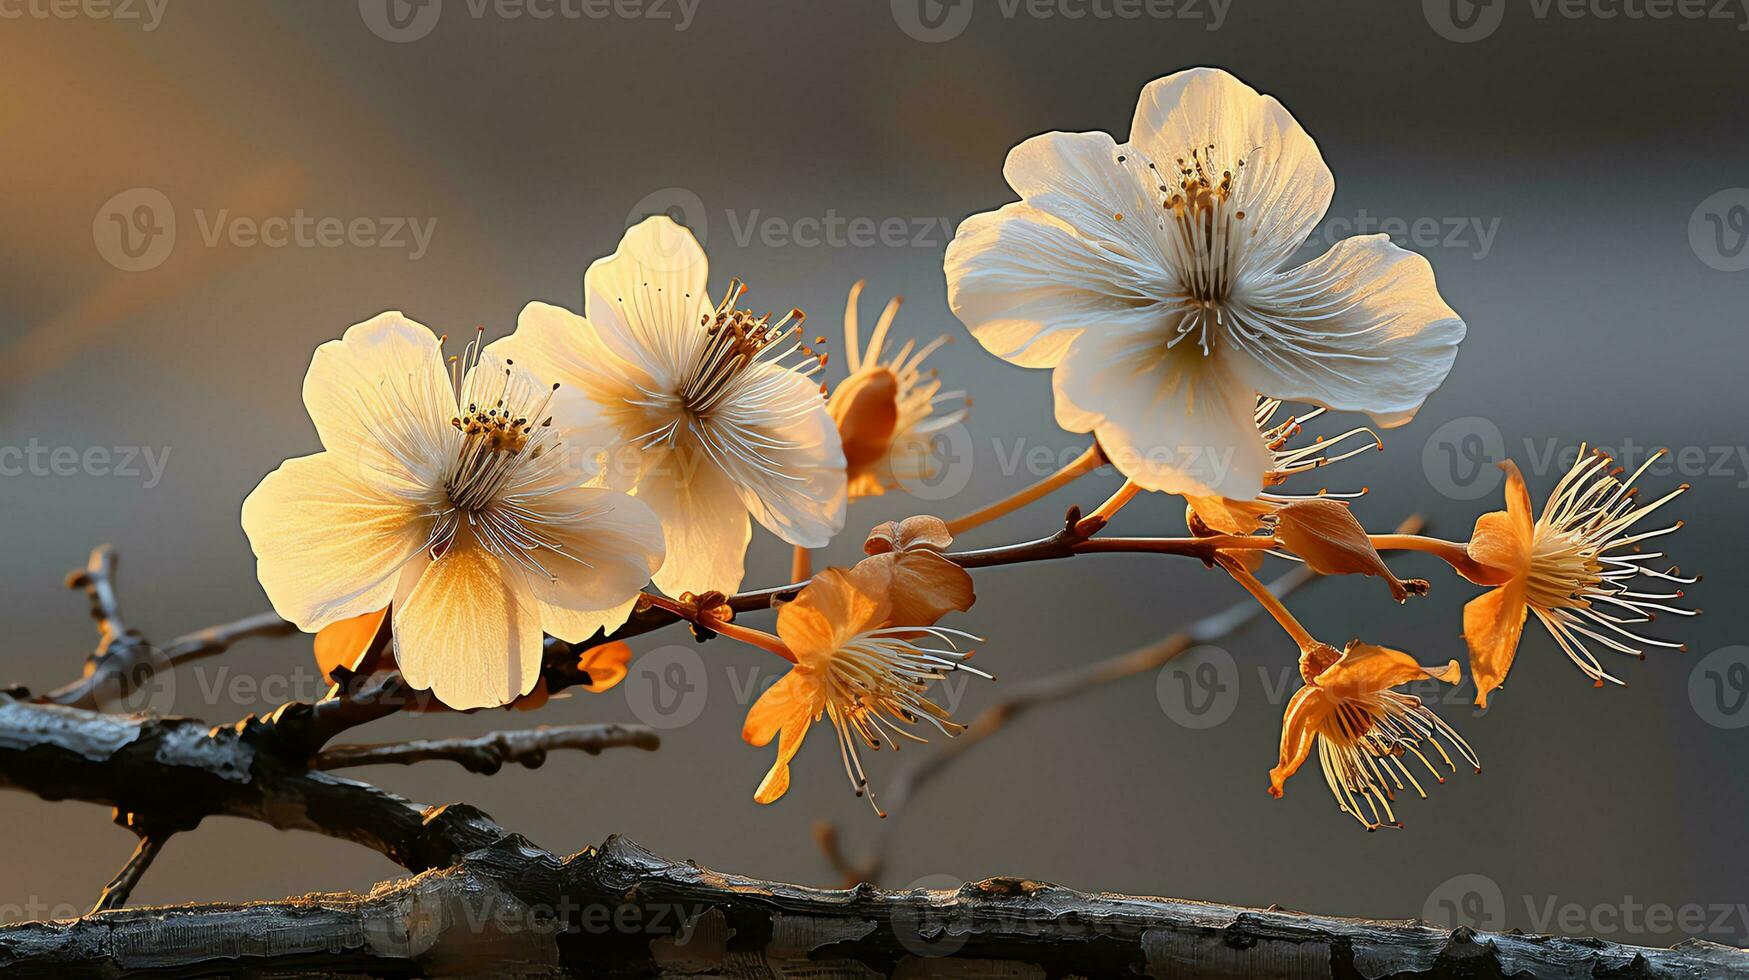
{"points": [[486, 901]]}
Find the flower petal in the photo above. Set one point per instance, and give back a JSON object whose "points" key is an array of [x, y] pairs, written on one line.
{"points": [[1493, 627], [1104, 192], [605, 664], [793, 693], [1026, 284], [1228, 516], [920, 531], [705, 526], [1284, 186], [381, 399], [1361, 328], [469, 631], [1325, 533], [1169, 419], [556, 346], [1306, 711], [340, 645], [831, 609], [1366, 669], [778, 445], [328, 544], [647, 300], [605, 546], [923, 586]]}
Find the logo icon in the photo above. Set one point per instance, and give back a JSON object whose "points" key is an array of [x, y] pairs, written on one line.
{"points": [[944, 464], [1469, 901], [400, 21], [1461, 457], [1199, 688], [932, 21], [1718, 230], [1464, 21], [920, 921], [1718, 687], [135, 230], [148, 686], [666, 688], [687, 209]]}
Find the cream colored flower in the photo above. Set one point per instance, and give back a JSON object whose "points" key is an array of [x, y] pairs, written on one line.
{"points": [[887, 409], [1149, 275], [707, 414], [451, 497]]}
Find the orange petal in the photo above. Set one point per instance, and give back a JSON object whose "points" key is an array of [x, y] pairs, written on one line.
{"points": [[776, 781], [1299, 730], [1324, 533], [1518, 498], [923, 586], [344, 643], [1230, 516], [1493, 625], [833, 607], [866, 409], [1500, 544], [605, 665], [536, 698], [1367, 669], [793, 693]]}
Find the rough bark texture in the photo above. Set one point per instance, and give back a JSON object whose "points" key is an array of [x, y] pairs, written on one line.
{"points": [[486, 901]]}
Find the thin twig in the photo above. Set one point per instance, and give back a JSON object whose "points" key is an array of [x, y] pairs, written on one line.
{"points": [[487, 754], [115, 894], [215, 640]]}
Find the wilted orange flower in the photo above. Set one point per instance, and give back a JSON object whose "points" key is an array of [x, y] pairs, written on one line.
{"points": [[886, 410], [1568, 568], [857, 663], [1362, 729], [1227, 516]]}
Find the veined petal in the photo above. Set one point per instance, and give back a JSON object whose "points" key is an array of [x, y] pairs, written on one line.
{"points": [[1361, 328], [381, 400], [779, 446], [647, 300], [705, 526], [1284, 187], [327, 544], [1367, 669], [1170, 419], [469, 631], [793, 694], [924, 586], [1026, 284], [1306, 711], [1103, 192], [834, 607], [1493, 627], [599, 547], [556, 346]]}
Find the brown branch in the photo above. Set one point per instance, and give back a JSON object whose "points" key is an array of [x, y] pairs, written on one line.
{"points": [[123, 659], [620, 911], [487, 754], [215, 640]]}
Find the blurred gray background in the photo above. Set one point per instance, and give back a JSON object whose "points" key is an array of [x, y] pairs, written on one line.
{"points": [[1569, 174]]}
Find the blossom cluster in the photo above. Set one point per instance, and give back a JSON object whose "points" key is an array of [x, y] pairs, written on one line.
{"points": [[591, 465]]}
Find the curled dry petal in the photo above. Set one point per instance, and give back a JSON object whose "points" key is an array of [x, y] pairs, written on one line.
{"points": [[919, 532], [1324, 533]]}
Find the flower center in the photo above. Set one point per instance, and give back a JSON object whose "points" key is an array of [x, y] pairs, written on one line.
{"points": [[735, 341], [1363, 743], [498, 429], [1202, 223]]}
